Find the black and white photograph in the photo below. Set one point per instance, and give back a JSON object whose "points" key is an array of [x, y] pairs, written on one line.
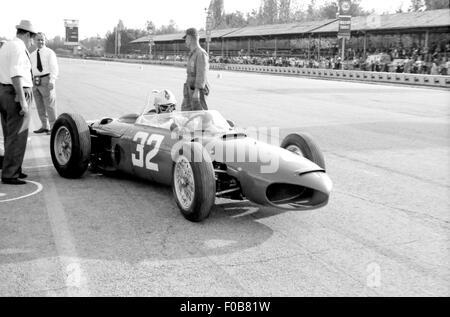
{"points": [[225, 153]]}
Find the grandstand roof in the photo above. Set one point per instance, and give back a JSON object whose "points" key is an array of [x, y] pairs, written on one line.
{"points": [[409, 20], [179, 36], [278, 29]]}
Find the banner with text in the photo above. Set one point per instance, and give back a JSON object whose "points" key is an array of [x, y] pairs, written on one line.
{"points": [[71, 32], [345, 19]]}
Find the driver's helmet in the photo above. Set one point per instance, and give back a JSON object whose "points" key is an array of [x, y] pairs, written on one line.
{"points": [[165, 101]]}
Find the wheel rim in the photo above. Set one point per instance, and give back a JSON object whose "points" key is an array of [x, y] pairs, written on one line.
{"points": [[184, 183], [295, 149], [62, 146]]}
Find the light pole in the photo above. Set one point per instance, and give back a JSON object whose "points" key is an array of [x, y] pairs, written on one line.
{"points": [[209, 26], [150, 43]]}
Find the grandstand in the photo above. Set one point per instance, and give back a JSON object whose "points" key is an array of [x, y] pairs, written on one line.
{"points": [[375, 33]]}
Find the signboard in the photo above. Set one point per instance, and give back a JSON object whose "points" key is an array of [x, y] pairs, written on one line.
{"points": [[345, 19], [345, 27], [209, 26], [71, 32]]}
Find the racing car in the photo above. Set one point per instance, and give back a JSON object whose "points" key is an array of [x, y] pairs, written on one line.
{"points": [[200, 154]]}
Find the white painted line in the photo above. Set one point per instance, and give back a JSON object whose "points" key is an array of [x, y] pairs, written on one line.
{"points": [[75, 278], [37, 167], [37, 191]]}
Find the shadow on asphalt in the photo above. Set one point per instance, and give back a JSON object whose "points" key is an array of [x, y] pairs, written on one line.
{"points": [[129, 220]]}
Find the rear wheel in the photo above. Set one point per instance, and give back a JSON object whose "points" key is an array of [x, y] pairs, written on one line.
{"points": [[193, 183], [70, 145], [302, 144]]}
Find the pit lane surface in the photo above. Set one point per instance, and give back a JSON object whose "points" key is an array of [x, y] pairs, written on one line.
{"points": [[384, 233]]}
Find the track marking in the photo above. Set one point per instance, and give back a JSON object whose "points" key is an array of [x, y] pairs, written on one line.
{"points": [[37, 166], [37, 191], [76, 279]]}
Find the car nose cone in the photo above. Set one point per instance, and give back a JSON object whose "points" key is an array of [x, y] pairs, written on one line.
{"points": [[318, 181]]}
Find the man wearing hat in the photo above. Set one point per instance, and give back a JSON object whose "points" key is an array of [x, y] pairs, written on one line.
{"points": [[15, 97], [196, 87]]}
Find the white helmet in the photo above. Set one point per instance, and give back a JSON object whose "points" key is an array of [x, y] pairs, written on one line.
{"points": [[165, 101]]}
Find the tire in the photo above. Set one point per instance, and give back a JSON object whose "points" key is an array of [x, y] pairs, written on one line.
{"points": [[201, 174], [71, 164], [308, 148]]}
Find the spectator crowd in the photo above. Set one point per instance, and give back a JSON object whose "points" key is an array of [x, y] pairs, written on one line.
{"points": [[415, 60], [399, 60]]}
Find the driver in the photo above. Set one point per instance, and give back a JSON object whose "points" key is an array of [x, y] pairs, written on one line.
{"points": [[165, 102]]}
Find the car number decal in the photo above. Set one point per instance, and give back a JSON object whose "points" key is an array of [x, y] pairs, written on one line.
{"points": [[142, 139]]}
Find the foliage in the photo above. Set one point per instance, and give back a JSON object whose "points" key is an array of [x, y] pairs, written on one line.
{"points": [[282, 11], [436, 4]]}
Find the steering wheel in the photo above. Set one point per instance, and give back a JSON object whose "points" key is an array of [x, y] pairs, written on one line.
{"points": [[192, 118]]}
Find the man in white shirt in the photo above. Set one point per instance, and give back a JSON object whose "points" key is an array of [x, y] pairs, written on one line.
{"points": [[45, 71], [15, 97]]}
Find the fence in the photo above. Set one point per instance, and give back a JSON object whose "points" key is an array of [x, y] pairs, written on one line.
{"points": [[351, 75]]}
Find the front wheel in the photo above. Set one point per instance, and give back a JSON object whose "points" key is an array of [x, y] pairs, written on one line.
{"points": [[70, 145], [303, 144], [193, 182]]}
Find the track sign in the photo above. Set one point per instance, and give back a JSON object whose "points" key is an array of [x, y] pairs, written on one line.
{"points": [[71, 32], [345, 19], [345, 27]]}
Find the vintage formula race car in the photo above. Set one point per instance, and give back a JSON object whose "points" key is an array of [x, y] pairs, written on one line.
{"points": [[200, 154]]}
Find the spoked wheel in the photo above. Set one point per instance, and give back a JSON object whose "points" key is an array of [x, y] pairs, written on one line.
{"points": [[193, 183], [302, 144], [70, 145], [62, 146], [184, 182]]}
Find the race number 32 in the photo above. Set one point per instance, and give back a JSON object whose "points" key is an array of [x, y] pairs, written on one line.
{"points": [[139, 158]]}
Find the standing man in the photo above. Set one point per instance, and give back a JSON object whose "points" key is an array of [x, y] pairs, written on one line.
{"points": [[196, 87], [15, 97], [2, 147], [45, 71]]}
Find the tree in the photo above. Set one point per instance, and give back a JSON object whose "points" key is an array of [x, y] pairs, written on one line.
{"points": [[328, 11], [436, 4], [269, 12], [217, 9], [416, 5], [150, 27], [311, 12], [235, 20], [253, 17], [284, 15], [168, 29], [56, 42]]}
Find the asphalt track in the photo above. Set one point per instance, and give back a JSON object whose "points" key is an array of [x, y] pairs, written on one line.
{"points": [[385, 231]]}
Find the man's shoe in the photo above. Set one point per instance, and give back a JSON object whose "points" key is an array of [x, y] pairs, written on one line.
{"points": [[41, 130], [13, 181], [23, 175]]}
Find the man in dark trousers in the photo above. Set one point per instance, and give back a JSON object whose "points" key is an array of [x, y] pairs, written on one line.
{"points": [[196, 87], [15, 97], [45, 73]]}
